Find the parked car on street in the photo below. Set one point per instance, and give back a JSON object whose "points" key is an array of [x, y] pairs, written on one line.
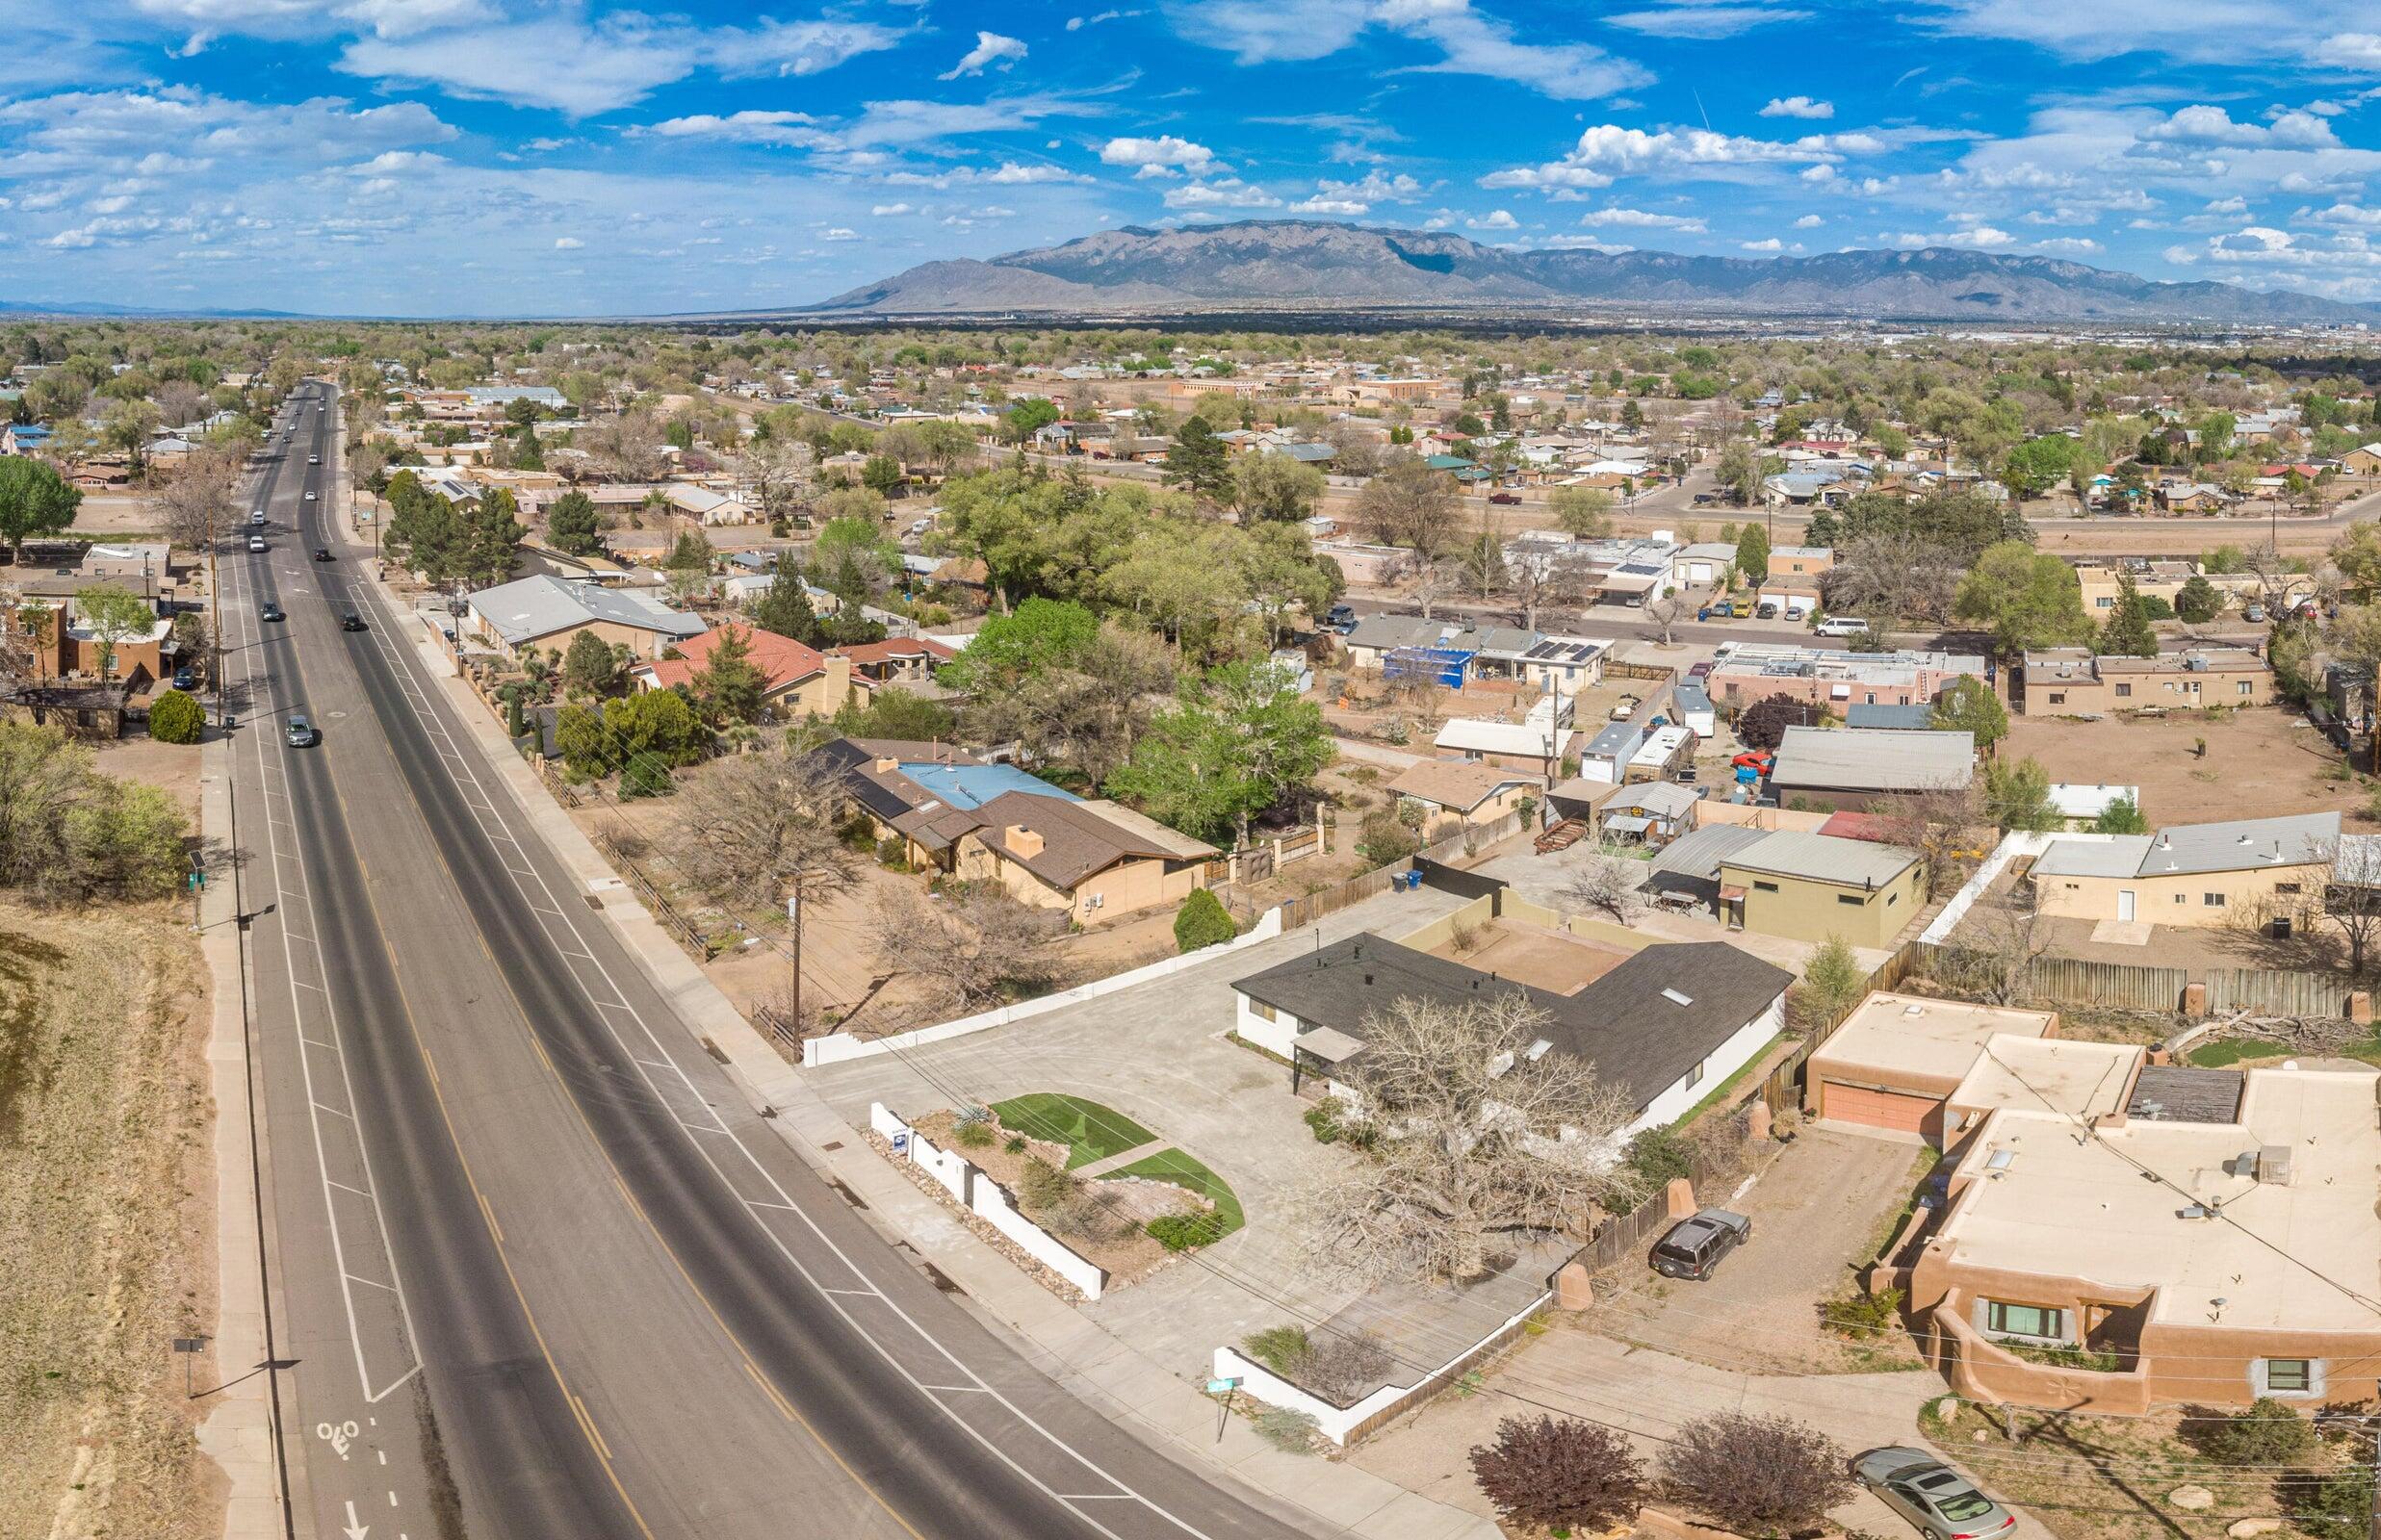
{"points": [[1842, 625], [1505, 496], [1691, 1249], [1943, 1503]]}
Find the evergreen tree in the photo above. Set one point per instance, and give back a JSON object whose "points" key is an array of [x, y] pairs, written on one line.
{"points": [[1197, 460], [2128, 633], [1752, 553], [573, 527], [784, 607], [730, 684]]}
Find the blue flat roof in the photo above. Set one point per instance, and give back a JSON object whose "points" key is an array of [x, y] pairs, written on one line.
{"points": [[971, 785]]}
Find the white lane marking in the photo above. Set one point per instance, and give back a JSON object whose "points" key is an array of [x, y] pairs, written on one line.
{"points": [[400, 662], [261, 694]]}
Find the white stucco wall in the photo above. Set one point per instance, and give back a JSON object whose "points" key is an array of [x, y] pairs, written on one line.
{"points": [[1273, 1037], [1725, 1060]]}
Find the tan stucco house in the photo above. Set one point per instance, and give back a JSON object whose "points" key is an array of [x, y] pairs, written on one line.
{"points": [[1807, 887], [2248, 871]]}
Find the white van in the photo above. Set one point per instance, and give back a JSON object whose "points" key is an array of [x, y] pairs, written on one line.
{"points": [[1843, 626]]}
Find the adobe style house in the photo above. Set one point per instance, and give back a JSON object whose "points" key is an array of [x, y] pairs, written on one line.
{"points": [[1867, 769], [1744, 672], [2205, 1236], [2074, 682], [2244, 871], [1807, 887]]}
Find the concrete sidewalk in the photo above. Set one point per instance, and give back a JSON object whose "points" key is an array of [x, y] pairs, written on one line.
{"points": [[1108, 1373], [238, 1432]]}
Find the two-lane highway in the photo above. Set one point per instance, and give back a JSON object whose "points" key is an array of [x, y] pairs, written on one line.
{"points": [[498, 1154]]}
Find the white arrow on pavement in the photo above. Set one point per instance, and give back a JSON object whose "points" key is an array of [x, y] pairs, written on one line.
{"points": [[355, 1531]]}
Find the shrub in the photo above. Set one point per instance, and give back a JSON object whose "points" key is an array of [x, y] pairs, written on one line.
{"points": [[1203, 921], [1386, 841], [1656, 1157], [1290, 1432], [2270, 1432], [1327, 1129], [1832, 983], [1344, 1367], [1182, 1232], [1277, 1347], [972, 1127], [1015, 1145], [892, 853], [2336, 1505], [176, 718], [1757, 1476], [1043, 1186], [1547, 1474], [1862, 1317]]}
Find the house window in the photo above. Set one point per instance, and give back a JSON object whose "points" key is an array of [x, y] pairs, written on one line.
{"points": [[2244, 687], [2025, 1320], [2123, 690], [1696, 1076], [2105, 603], [2285, 888], [1261, 1010], [1765, 887], [2287, 1376], [2058, 699], [2212, 900], [1854, 899]]}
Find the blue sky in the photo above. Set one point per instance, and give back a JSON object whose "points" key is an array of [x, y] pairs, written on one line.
{"points": [[493, 157]]}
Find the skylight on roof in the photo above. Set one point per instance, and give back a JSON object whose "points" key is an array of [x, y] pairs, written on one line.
{"points": [[1676, 998]]}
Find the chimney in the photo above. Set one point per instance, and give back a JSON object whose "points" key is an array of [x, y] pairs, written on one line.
{"points": [[886, 764], [1025, 843], [838, 682]]}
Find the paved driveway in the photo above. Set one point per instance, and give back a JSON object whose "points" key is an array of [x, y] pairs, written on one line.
{"points": [[1816, 1213]]}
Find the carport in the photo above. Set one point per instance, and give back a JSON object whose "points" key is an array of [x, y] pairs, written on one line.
{"points": [[1896, 1061]]}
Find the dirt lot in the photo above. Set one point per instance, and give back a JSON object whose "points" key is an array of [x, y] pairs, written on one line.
{"points": [[113, 515], [106, 1224], [1549, 959], [2261, 762]]}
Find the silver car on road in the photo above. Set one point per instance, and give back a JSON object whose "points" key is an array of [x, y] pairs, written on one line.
{"points": [[1943, 1503]]}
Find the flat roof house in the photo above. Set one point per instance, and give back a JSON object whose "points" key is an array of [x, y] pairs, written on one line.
{"points": [[1861, 768], [1664, 1027], [1807, 887], [1746, 672], [1534, 747], [2074, 682], [1895, 1062], [2250, 870], [2213, 1233]]}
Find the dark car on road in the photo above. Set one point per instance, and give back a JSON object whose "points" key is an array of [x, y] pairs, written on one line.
{"points": [[323, 553], [270, 611], [184, 678], [1691, 1249], [350, 621], [1508, 497], [1943, 1503]]}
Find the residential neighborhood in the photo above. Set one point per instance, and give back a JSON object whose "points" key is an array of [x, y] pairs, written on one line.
{"points": [[1328, 884]]}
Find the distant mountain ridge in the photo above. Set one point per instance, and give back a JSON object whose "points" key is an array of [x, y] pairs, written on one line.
{"points": [[1270, 262]]}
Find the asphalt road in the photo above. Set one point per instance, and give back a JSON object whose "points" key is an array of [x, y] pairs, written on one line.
{"points": [[536, 1248]]}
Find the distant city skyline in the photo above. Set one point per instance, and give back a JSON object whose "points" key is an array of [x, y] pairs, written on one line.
{"points": [[500, 157]]}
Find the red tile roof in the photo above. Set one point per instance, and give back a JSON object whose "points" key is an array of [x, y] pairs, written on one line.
{"points": [[897, 647], [782, 660]]}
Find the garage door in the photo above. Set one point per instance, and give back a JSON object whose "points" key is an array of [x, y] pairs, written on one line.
{"points": [[1884, 1109]]}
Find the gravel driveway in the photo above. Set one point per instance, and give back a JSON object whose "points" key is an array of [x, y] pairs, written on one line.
{"points": [[1816, 1213]]}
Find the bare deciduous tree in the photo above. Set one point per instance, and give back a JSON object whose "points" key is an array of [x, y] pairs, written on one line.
{"points": [[1485, 1144], [1538, 579], [1665, 613], [1894, 577], [1435, 581], [2352, 894], [198, 500], [759, 828], [979, 944], [1606, 885]]}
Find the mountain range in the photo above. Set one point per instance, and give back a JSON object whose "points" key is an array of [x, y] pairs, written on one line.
{"points": [[1269, 262]]}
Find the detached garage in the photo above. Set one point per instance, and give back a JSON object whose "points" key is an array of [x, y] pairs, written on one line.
{"points": [[1894, 1064]]}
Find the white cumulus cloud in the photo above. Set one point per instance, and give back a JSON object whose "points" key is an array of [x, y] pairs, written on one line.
{"points": [[1798, 107], [991, 48]]}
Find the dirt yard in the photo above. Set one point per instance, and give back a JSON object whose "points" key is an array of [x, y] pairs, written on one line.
{"points": [[2261, 762], [113, 515], [1563, 965], [106, 1224]]}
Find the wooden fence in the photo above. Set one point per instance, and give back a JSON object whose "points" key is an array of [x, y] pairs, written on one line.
{"points": [[674, 920], [2281, 994], [1454, 851]]}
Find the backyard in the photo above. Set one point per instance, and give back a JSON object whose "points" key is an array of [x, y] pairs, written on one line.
{"points": [[2260, 762]]}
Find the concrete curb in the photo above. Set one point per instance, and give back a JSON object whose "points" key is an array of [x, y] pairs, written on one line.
{"points": [[1109, 1374]]}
